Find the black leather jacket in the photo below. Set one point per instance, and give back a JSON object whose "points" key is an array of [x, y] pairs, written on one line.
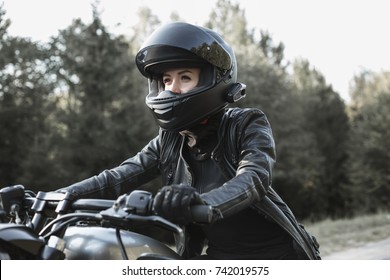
{"points": [[245, 153]]}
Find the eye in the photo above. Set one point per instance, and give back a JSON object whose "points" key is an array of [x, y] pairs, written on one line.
{"points": [[186, 78], [166, 80]]}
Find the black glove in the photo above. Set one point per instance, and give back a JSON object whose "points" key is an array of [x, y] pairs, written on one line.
{"points": [[173, 203]]}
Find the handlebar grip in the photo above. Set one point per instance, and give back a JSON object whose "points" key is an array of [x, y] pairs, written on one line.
{"points": [[92, 204], [202, 213]]}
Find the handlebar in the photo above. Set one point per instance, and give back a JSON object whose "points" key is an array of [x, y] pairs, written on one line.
{"points": [[92, 204], [54, 204], [200, 213], [137, 202]]}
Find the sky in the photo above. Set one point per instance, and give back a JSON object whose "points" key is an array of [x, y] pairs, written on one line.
{"points": [[340, 38]]}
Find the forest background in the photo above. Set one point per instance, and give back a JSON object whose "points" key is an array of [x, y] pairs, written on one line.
{"points": [[74, 106]]}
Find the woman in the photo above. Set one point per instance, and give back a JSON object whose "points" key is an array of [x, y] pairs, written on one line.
{"points": [[206, 153]]}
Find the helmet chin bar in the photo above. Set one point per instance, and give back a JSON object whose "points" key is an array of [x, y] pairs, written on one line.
{"points": [[175, 112]]}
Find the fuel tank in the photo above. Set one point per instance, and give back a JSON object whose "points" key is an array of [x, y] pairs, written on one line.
{"points": [[97, 243]]}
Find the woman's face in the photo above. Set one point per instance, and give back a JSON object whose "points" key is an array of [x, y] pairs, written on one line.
{"points": [[181, 80]]}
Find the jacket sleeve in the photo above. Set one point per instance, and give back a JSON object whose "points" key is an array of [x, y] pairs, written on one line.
{"points": [[132, 173], [251, 136]]}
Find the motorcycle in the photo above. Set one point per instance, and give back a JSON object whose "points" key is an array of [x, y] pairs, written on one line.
{"points": [[55, 226]]}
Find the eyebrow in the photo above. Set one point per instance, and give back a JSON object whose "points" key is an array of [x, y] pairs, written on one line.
{"points": [[180, 72]]}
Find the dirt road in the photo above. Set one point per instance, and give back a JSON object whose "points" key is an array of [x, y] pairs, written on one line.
{"points": [[372, 251]]}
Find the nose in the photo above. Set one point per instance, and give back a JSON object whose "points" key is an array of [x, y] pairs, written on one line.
{"points": [[174, 86]]}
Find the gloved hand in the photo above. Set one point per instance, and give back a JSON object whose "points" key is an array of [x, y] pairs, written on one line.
{"points": [[173, 203]]}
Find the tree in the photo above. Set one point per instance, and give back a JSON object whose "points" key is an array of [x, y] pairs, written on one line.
{"points": [[147, 23], [369, 148], [327, 123], [229, 21], [101, 115], [26, 107]]}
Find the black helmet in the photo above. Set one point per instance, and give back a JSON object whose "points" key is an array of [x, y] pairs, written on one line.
{"points": [[177, 45]]}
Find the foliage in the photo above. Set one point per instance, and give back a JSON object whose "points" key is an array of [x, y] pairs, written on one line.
{"points": [[26, 105], [327, 126], [370, 142], [102, 114]]}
